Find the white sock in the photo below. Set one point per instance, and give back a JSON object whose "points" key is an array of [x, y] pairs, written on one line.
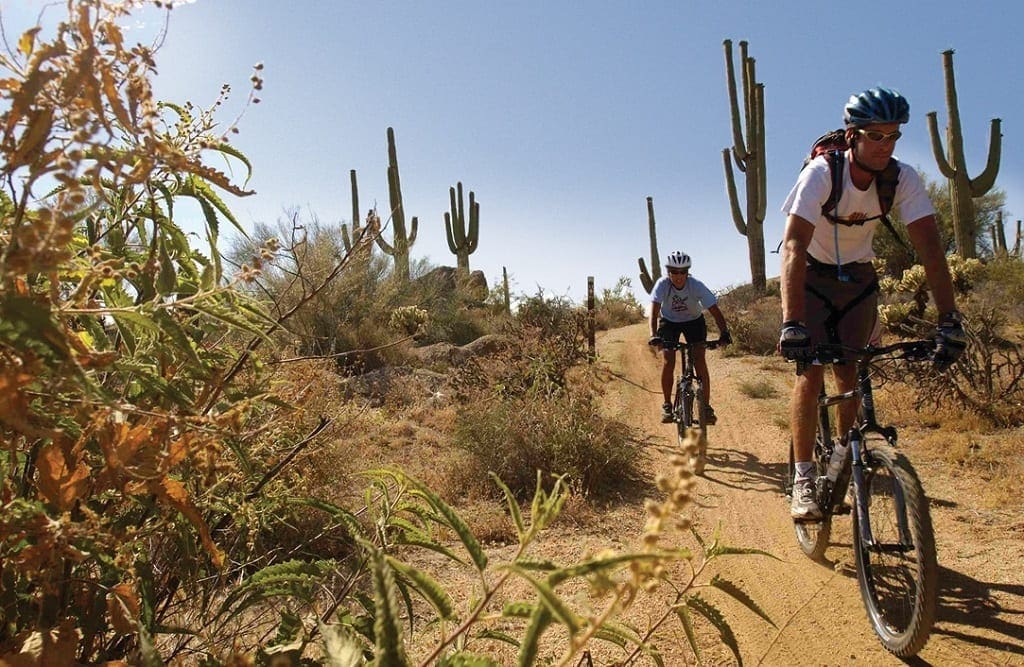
{"points": [[804, 470]]}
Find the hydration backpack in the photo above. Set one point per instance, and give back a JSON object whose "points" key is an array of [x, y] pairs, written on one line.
{"points": [[833, 145]]}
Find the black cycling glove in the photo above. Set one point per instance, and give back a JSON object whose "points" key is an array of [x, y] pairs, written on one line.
{"points": [[950, 341], [794, 341]]}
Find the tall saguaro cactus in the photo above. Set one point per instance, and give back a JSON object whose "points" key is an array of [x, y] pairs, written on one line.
{"points": [[998, 230], [402, 240], [962, 188], [349, 241], [648, 279], [462, 241], [749, 156]]}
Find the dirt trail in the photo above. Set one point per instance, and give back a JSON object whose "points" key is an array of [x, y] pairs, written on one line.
{"points": [[817, 607]]}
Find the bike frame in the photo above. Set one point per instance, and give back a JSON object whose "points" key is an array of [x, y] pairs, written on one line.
{"points": [[867, 422], [688, 375]]}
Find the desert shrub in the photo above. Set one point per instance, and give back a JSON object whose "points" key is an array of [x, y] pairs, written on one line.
{"points": [[533, 407], [556, 432], [617, 307], [754, 320], [905, 308], [145, 475], [754, 327], [989, 378], [1007, 275], [759, 388], [126, 354]]}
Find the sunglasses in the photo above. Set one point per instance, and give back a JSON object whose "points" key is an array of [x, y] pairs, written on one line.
{"points": [[876, 136], [678, 272]]}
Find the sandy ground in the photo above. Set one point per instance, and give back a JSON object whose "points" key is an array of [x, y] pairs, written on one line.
{"points": [[816, 607]]}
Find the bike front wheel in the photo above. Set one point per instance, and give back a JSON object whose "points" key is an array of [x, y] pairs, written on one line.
{"points": [[898, 571], [701, 408]]}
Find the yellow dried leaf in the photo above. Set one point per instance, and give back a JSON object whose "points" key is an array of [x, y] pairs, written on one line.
{"points": [[28, 40], [110, 90], [33, 139], [61, 481], [173, 492], [113, 34], [123, 608]]}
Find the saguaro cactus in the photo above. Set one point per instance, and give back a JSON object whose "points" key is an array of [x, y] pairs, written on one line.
{"points": [[749, 156], [461, 242], [508, 294], [357, 232], [648, 279], [962, 188], [402, 240], [998, 230]]}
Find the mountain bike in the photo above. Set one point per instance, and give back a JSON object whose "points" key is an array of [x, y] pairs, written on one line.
{"points": [[690, 405], [893, 542]]}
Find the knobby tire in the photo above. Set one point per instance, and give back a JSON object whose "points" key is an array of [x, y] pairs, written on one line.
{"points": [[899, 589], [701, 404]]}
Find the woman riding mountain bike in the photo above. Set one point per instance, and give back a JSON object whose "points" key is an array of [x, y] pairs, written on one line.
{"points": [[678, 302]]}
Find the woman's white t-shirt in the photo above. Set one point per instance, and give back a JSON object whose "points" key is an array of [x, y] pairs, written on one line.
{"points": [[682, 305]]}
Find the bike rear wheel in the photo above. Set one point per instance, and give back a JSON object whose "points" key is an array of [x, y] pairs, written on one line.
{"points": [[812, 536], [898, 575]]}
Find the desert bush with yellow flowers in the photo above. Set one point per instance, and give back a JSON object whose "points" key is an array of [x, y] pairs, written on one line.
{"points": [[151, 507]]}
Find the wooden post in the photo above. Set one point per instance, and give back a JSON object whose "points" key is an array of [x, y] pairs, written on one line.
{"points": [[591, 320]]}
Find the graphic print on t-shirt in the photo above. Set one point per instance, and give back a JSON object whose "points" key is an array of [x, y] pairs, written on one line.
{"points": [[679, 303]]}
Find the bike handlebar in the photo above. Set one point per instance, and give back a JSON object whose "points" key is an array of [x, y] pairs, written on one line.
{"points": [[829, 353], [709, 344]]}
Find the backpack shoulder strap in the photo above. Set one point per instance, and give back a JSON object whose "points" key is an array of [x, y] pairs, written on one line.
{"points": [[885, 184], [836, 163]]}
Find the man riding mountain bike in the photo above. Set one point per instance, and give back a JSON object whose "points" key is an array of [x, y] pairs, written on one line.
{"points": [[829, 286], [678, 302]]}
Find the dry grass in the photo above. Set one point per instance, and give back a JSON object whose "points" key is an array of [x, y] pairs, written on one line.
{"points": [[962, 442], [759, 388]]}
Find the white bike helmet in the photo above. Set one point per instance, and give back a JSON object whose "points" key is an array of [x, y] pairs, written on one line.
{"points": [[677, 260]]}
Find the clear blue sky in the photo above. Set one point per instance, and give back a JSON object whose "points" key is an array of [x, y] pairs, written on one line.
{"points": [[564, 116]]}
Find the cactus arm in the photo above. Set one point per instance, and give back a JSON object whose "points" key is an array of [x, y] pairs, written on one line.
{"points": [[474, 223], [355, 203], [652, 232], [460, 218], [749, 82], [385, 246], [937, 150], [452, 224], [734, 200], [448, 233], [734, 108], [412, 232], [762, 171], [645, 277], [986, 179]]}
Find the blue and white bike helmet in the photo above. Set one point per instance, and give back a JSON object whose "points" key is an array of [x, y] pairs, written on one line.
{"points": [[677, 260], [876, 106]]}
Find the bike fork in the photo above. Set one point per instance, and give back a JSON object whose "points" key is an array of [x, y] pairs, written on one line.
{"points": [[860, 494]]}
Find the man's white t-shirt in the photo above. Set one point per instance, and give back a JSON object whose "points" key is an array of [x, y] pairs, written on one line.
{"points": [[682, 305], [853, 242]]}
